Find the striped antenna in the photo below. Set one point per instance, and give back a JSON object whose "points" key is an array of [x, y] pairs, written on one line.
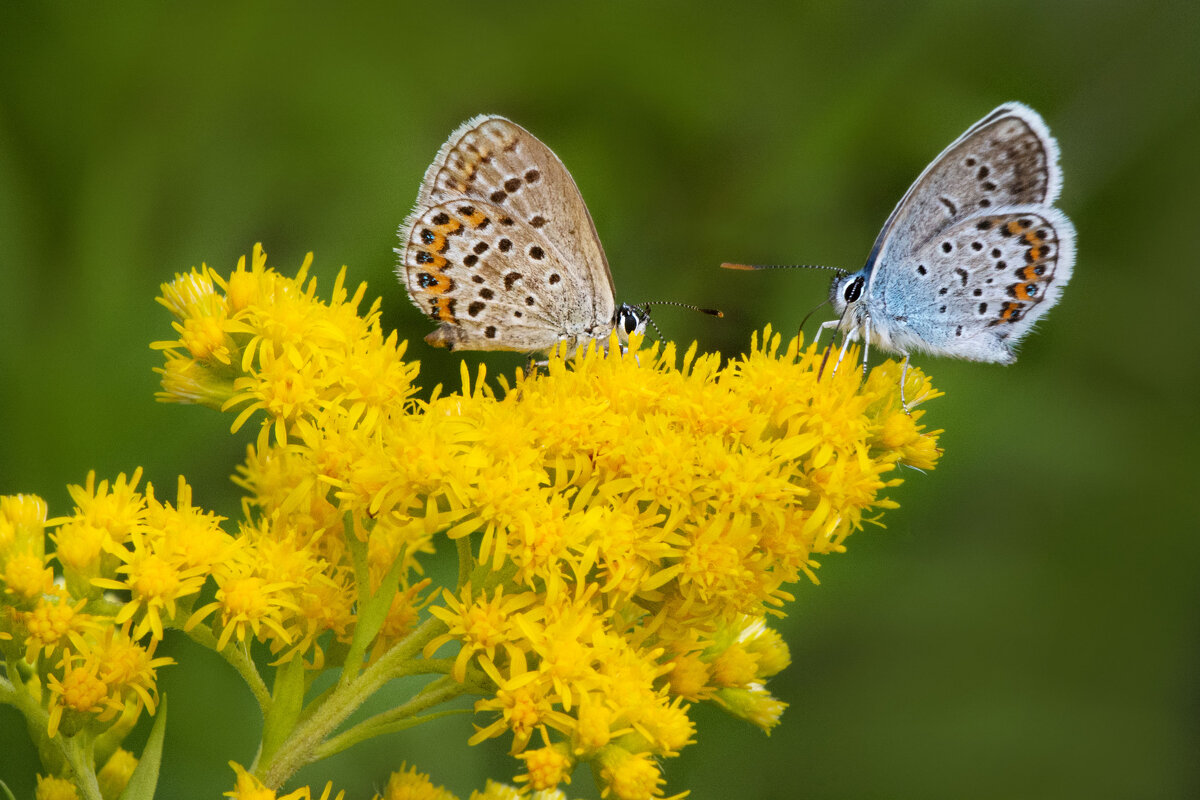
{"points": [[712, 312], [751, 267]]}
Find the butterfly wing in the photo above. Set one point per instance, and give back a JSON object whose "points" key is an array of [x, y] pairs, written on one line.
{"points": [[974, 253], [498, 221], [1007, 158], [490, 280], [977, 287]]}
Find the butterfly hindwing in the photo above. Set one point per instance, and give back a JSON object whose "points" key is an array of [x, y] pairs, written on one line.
{"points": [[492, 160], [489, 280], [977, 287]]}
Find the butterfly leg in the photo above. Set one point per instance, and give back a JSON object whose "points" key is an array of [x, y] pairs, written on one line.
{"points": [[533, 365], [852, 336], [903, 375], [831, 324], [866, 345]]}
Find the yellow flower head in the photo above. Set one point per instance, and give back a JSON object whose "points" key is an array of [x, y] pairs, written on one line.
{"points": [[79, 694], [409, 784], [494, 790], [52, 788], [248, 605], [480, 625], [155, 581], [629, 776], [26, 579], [248, 787], [52, 623], [753, 704], [546, 767], [129, 669], [115, 774], [22, 523]]}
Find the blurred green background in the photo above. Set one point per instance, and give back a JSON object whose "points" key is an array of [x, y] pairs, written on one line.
{"points": [[1027, 624]]}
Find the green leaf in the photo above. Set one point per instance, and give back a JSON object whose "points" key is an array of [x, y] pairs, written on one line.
{"points": [[373, 614], [8, 795], [287, 699], [372, 608], [144, 780]]}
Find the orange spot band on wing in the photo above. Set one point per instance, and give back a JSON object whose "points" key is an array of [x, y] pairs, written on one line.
{"points": [[434, 283], [443, 309], [1009, 310], [440, 285], [476, 219]]}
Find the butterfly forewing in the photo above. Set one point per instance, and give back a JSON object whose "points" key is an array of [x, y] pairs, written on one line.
{"points": [[1007, 158], [492, 160]]}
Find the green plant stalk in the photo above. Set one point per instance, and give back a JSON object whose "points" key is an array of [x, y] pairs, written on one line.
{"points": [[396, 719], [83, 770], [300, 747]]}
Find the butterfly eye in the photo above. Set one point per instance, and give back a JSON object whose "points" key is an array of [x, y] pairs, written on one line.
{"points": [[853, 290], [629, 319]]}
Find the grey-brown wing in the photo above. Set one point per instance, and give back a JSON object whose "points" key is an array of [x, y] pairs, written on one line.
{"points": [[491, 281], [494, 160], [1007, 158]]}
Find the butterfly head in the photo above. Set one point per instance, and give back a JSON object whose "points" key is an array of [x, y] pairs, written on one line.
{"points": [[629, 320], [847, 290]]}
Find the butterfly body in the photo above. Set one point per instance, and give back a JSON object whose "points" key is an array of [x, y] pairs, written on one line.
{"points": [[973, 254], [501, 251]]}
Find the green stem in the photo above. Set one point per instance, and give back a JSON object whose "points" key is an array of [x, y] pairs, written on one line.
{"points": [[240, 660], [399, 718], [429, 666], [302, 745], [84, 771]]}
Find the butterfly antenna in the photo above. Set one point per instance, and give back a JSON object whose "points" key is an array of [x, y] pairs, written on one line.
{"points": [[752, 267], [650, 320], [712, 312]]}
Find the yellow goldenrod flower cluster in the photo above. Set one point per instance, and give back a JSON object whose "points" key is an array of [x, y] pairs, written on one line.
{"points": [[248, 787], [625, 521], [404, 784], [75, 665]]}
